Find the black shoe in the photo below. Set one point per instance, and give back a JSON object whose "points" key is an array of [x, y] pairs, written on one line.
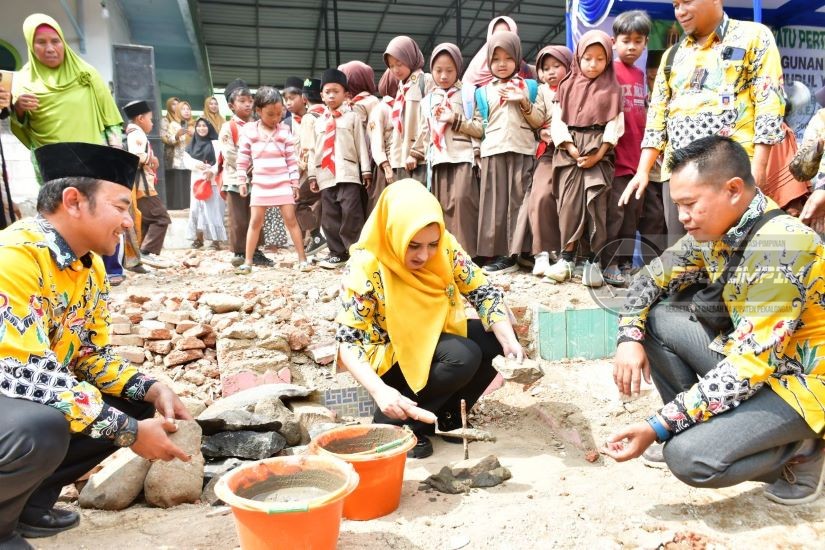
{"points": [[261, 260], [138, 269], [423, 447], [316, 243], [502, 264], [238, 260], [332, 261], [47, 523], [526, 260], [15, 542]]}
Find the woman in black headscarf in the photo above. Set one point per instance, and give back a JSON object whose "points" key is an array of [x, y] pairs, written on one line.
{"points": [[205, 213]]}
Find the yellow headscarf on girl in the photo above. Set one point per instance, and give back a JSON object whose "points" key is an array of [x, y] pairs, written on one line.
{"points": [[420, 304]]}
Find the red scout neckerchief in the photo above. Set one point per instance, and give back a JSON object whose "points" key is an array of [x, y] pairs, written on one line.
{"points": [[328, 152], [437, 127], [398, 106]]}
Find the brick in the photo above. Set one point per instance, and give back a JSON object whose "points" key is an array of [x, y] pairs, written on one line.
{"points": [[210, 340], [189, 342], [519, 312], [155, 334], [126, 340], [323, 354], [183, 326], [196, 332], [233, 383], [152, 323], [121, 328], [174, 316], [138, 299], [132, 354], [285, 375], [195, 295], [299, 338], [118, 318], [240, 331], [162, 347], [179, 357]]}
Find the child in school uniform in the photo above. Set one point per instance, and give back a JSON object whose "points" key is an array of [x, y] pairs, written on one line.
{"points": [[379, 134], [338, 163], [630, 34], [267, 146], [587, 122], [307, 205], [154, 218], [507, 148], [450, 155], [361, 84], [552, 65], [404, 59]]}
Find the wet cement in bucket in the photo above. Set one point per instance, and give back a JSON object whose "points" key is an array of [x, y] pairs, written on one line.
{"points": [[297, 487], [368, 441]]}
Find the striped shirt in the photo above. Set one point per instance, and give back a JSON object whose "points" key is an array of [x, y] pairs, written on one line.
{"points": [[273, 160]]}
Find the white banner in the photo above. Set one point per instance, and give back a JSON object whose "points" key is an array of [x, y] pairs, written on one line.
{"points": [[803, 59]]}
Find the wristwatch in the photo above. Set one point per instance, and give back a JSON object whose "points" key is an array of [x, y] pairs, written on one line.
{"points": [[127, 434], [662, 433]]}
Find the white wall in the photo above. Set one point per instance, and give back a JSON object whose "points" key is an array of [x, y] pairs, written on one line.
{"points": [[100, 33]]}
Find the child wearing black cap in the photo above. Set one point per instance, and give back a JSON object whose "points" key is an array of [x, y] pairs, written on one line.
{"points": [[308, 205], [154, 217], [337, 164]]}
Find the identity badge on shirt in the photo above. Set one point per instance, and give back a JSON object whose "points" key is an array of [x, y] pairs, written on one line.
{"points": [[726, 99]]}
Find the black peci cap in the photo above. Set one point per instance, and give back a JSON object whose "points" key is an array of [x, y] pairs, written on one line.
{"points": [[86, 160]]}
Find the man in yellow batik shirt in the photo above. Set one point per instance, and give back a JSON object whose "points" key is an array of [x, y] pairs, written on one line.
{"points": [[723, 78], [66, 399], [746, 401]]}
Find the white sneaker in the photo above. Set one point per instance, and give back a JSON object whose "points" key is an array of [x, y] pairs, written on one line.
{"points": [[592, 275], [155, 261], [560, 271], [542, 263]]}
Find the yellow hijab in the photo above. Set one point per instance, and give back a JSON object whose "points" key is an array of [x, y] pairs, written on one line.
{"points": [[75, 103], [420, 304]]}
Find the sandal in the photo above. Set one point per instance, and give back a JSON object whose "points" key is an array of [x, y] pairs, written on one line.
{"points": [[614, 277], [115, 280], [197, 243]]}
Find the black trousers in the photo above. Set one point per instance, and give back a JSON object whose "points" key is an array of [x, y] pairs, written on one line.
{"points": [[342, 216], [38, 454], [462, 368]]}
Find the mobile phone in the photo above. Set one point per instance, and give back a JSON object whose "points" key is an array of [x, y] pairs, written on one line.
{"points": [[5, 80]]}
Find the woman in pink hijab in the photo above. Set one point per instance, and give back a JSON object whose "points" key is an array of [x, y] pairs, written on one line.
{"points": [[478, 71]]}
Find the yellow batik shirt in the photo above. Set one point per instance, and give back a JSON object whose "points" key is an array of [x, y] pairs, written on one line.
{"points": [[54, 331], [362, 319], [730, 86], [776, 301]]}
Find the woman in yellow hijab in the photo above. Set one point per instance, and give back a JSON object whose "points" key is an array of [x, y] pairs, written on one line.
{"points": [[402, 330]]}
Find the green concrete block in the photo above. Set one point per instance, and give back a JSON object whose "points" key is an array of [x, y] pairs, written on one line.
{"points": [[586, 333]]}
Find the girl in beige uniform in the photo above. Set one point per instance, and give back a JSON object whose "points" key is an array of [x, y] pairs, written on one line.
{"points": [[405, 60], [450, 155], [552, 64], [507, 148], [587, 123], [379, 132]]}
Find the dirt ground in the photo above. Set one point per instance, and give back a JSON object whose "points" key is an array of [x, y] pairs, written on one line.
{"points": [[555, 499]]}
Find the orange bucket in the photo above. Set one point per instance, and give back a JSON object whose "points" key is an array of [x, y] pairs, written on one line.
{"points": [[378, 453], [290, 502]]}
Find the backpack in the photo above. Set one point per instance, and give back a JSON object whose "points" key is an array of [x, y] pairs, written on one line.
{"points": [[484, 108], [233, 129]]}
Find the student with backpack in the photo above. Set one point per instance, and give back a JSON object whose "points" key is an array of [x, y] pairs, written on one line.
{"points": [[505, 120]]}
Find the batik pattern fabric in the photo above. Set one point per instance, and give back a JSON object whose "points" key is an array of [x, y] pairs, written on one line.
{"points": [[776, 301], [54, 331], [362, 322], [730, 86]]}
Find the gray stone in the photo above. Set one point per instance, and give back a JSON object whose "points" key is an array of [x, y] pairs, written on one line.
{"points": [[248, 399], [194, 406], [466, 474], [276, 410], [237, 420], [176, 482], [243, 444], [117, 484], [216, 469], [526, 372], [222, 303]]}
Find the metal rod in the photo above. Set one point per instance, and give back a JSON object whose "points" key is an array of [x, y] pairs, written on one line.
{"points": [[78, 27], [464, 425], [458, 23], [326, 35], [337, 43]]}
